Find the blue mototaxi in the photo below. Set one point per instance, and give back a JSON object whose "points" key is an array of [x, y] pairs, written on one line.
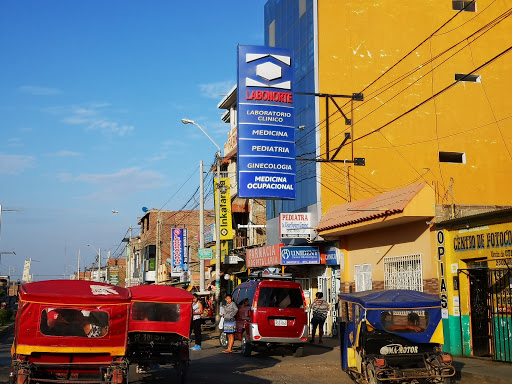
{"points": [[393, 336]]}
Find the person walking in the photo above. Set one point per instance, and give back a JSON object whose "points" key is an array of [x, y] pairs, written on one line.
{"points": [[320, 308], [230, 310], [197, 311]]}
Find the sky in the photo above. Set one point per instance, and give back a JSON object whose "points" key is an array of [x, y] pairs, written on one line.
{"points": [[92, 94]]}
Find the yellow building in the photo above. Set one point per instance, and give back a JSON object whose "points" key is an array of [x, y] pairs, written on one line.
{"points": [[436, 103], [434, 128], [475, 261], [404, 122]]}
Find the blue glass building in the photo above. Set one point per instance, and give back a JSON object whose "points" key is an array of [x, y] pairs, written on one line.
{"points": [[290, 24]]}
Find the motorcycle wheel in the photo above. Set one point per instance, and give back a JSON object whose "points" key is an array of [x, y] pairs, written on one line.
{"points": [[223, 340]]}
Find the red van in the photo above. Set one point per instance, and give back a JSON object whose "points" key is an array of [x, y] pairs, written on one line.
{"points": [[271, 314]]}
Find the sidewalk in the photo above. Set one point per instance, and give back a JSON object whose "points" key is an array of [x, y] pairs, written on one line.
{"points": [[485, 371]]}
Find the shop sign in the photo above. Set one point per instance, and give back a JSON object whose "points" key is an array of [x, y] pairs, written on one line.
{"points": [[179, 252], [493, 242], [266, 123], [300, 255], [263, 256], [113, 277], [332, 255], [295, 225], [226, 225], [233, 259], [209, 234], [205, 253]]}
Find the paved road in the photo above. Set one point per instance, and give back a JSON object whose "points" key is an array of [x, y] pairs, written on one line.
{"points": [[210, 366]]}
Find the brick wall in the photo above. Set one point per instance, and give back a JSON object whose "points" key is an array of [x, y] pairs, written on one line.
{"points": [[170, 220]]}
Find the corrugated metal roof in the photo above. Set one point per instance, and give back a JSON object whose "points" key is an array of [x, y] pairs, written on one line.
{"points": [[387, 204]]}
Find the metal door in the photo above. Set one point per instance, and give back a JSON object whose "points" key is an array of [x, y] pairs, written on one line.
{"points": [[500, 289], [479, 312]]}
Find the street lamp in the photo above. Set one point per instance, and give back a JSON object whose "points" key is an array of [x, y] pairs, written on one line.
{"points": [[128, 256], [217, 224], [98, 251]]}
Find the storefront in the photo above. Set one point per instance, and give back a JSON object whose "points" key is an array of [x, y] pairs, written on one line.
{"points": [[315, 267], [475, 261]]}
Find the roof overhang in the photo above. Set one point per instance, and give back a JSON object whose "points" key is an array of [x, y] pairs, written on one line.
{"points": [[419, 204]]}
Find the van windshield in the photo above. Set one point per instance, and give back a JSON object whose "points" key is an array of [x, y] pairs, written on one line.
{"points": [[280, 297]]}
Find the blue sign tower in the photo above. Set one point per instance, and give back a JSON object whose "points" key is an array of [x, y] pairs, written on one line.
{"points": [[266, 123]]}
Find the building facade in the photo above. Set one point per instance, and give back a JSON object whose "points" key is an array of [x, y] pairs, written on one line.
{"points": [[404, 125]]}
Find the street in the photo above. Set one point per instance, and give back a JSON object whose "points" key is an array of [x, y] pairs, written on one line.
{"points": [[320, 364]]}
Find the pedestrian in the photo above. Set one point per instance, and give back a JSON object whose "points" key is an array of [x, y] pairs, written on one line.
{"points": [[230, 310], [320, 308], [197, 311]]}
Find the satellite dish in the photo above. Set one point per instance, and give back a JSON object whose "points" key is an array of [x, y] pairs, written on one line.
{"points": [[144, 209]]}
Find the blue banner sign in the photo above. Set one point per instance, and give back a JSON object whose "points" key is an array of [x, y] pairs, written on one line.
{"points": [[266, 123], [300, 255], [331, 255], [179, 251]]}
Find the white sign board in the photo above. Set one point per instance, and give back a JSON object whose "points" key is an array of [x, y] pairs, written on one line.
{"points": [[295, 225], [26, 271]]}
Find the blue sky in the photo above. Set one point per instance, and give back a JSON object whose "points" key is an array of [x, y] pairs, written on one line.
{"points": [[91, 99]]}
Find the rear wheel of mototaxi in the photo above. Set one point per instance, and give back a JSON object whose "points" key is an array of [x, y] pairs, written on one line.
{"points": [[181, 371], [223, 339], [371, 375]]}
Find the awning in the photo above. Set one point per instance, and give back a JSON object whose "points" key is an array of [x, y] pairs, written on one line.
{"points": [[401, 206]]}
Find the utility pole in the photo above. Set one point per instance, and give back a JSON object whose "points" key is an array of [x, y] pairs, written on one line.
{"points": [[78, 265], [158, 247], [99, 264], [201, 226]]}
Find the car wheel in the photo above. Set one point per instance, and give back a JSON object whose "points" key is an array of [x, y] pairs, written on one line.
{"points": [[246, 346], [372, 377], [223, 340], [299, 351]]}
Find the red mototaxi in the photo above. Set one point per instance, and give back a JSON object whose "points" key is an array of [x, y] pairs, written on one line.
{"points": [[51, 343], [159, 326]]}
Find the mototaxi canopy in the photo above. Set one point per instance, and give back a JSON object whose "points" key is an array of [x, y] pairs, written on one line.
{"points": [[39, 300], [376, 303], [160, 308]]}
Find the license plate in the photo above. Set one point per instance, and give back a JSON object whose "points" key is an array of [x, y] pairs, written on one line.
{"points": [[281, 322]]}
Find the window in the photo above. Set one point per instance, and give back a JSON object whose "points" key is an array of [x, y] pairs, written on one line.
{"points": [[466, 6], [468, 78], [363, 277], [277, 297], [272, 34], [73, 322], [403, 272], [452, 157], [149, 311], [405, 321]]}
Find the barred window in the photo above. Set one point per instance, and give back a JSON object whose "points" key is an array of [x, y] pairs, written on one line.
{"points": [[403, 272], [363, 277]]}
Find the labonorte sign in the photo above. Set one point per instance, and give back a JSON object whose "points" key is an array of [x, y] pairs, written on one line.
{"points": [[226, 223], [266, 123]]}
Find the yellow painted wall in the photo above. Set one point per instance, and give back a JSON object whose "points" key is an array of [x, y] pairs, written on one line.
{"points": [[360, 40], [372, 246]]}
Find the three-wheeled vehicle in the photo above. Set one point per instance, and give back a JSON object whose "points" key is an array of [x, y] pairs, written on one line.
{"points": [[70, 331], [393, 336], [159, 326]]}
